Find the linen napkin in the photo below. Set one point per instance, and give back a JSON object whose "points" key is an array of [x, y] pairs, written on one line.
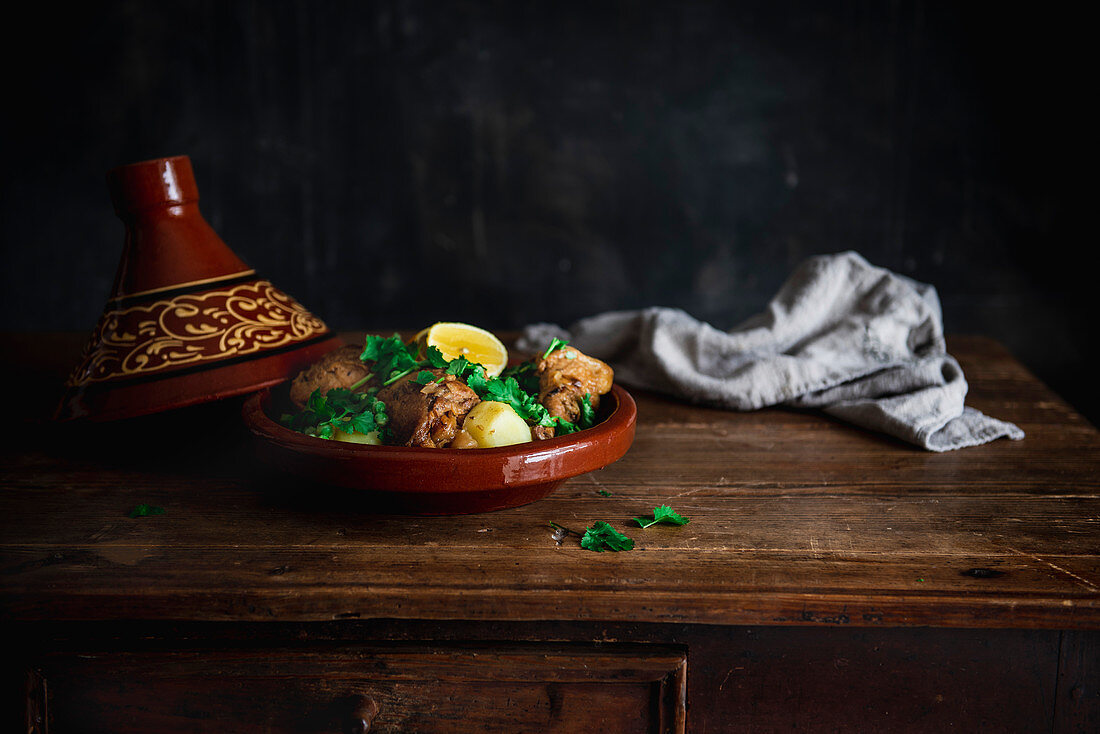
{"points": [[856, 341]]}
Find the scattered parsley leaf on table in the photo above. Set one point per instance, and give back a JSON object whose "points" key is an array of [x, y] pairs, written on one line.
{"points": [[662, 514], [603, 493], [144, 510], [602, 537]]}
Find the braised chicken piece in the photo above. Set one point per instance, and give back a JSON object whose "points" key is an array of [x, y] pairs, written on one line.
{"points": [[566, 375], [427, 415], [339, 368], [540, 433]]}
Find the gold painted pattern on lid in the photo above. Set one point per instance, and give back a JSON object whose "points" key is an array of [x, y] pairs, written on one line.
{"points": [[192, 329]]}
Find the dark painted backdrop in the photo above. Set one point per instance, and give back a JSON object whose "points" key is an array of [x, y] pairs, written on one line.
{"points": [[396, 163]]}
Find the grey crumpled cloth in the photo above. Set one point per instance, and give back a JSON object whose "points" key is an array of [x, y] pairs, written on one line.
{"points": [[857, 341]]}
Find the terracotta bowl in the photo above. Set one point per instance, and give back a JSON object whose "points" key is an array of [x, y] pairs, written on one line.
{"points": [[444, 481]]}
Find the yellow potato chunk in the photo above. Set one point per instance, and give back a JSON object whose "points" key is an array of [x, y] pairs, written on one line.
{"points": [[372, 438], [492, 424]]}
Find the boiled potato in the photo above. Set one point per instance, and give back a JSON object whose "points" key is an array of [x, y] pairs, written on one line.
{"points": [[495, 424], [371, 438]]}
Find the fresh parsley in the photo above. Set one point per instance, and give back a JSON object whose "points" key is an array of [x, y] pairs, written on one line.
{"points": [[555, 345], [524, 403], [461, 367], [339, 409], [602, 537], [423, 377], [435, 358], [393, 359], [587, 418], [508, 390], [525, 373], [662, 514], [144, 510]]}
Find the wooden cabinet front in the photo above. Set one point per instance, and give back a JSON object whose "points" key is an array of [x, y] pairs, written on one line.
{"points": [[394, 688]]}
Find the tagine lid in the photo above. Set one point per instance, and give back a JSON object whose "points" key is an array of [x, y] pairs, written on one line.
{"points": [[187, 321]]}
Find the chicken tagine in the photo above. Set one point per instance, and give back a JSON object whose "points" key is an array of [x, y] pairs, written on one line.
{"points": [[450, 387]]}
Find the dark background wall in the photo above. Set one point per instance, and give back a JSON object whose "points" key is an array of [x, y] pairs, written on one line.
{"points": [[396, 163]]}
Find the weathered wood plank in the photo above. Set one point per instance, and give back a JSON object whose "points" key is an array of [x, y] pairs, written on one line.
{"points": [[499, 688], [721, 520], [725, 587], [796, 519], [1077, 698]]}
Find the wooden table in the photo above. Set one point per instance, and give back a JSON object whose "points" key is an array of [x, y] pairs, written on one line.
{"points": [[829, 579]]}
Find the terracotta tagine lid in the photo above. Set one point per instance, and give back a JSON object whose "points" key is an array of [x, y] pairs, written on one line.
{"points": [[187, 321]]}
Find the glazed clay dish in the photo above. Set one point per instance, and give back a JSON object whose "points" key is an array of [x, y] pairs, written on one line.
{"points": [[187, 322], [432, 481]]}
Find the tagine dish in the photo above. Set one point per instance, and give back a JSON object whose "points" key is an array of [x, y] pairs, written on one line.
{"points": [[393, 416]]}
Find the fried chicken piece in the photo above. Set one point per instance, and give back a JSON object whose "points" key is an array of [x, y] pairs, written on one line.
{"points": [[339, 368], [566, 375], [427, 415]]}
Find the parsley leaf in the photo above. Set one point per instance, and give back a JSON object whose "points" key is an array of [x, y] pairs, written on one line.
{"points": [[662, 514], [436, 359], [555, 345], [477, 381], [392, 358], [339, 410], [526, 374], [602, 537], [508, 391], [463, 368], [666, 514], [144, 510], [587, 418], [562, 427]]}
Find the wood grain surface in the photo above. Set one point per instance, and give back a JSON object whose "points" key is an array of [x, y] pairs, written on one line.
{"points": [[795, 520], [441, 687]]}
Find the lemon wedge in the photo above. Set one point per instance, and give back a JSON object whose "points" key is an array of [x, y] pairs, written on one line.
{"points": [[456, 340]]}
